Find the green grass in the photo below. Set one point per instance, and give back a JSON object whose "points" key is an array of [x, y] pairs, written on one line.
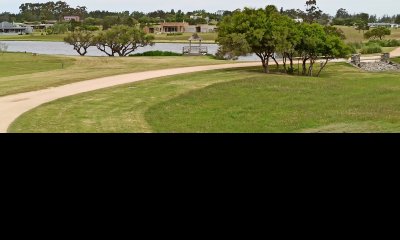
{"points": [[24, 72], [354, 35], [12, 64], [33, 37], [344, 99], [207, 37], [396, 60]]}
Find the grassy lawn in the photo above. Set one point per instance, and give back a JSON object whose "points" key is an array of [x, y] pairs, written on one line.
{"points": [[354, 35], [207, 37], [344, 99], [33, 37], [12, 64], [23, 72], [397, 60]]}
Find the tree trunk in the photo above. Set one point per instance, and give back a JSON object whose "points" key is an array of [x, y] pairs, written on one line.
{"points": [[276, 62], [284, 62], [323, 66], [311, 68], [304, 66]]}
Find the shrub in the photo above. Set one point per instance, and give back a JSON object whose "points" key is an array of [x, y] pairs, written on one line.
{"points": [[371, 48], [155, 54], [353, 50], [385, 43], [356, 45], [174, 34]]}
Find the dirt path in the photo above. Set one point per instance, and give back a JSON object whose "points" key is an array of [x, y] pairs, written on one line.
{"points": [[395, 53], [13, 106]]}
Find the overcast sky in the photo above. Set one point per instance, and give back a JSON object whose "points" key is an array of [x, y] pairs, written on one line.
{"points": [[379, 7]]}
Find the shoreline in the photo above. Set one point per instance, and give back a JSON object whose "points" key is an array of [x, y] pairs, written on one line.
{"points": [[50, 40]]}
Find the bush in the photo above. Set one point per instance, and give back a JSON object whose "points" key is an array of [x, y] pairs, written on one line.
{"points": [[356, 45], [353, 50], [385, 43], [371, 48], [155, 54], [174, 34]]}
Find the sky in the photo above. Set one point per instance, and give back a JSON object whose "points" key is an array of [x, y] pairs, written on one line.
{"points": [[379, 7]]}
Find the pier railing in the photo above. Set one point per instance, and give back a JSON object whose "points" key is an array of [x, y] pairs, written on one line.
{"points": [[195, 50]]}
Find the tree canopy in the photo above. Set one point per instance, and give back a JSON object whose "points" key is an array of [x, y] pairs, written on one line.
{"points": [[122, 40], [379, 32], [267, 33]]}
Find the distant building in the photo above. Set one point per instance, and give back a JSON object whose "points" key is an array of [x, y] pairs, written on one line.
{"points": [[174, 27], [70, 18], [195, 17], [220, 12], [201, 28], [153, 29], [388, 25], [14, 29], [298, 20], [179, 27], [39, 26]]}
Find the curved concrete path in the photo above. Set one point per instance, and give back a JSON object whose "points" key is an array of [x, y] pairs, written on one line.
{"points": [[13, 106], [395, 53]]}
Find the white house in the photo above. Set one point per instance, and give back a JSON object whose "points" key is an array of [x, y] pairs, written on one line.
{"points": [[389, 25], [70, 18], [298, 20]]}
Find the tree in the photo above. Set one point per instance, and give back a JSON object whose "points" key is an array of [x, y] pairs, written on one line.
{"points": [[122, 40], [379, 32], [335, 31], [256, 31], [342, 13], [312, 12], [361, 25], [288, 45], [397, 20], [80, 40], [58, 28], [333, 47], [312, 41], [3, 48]]}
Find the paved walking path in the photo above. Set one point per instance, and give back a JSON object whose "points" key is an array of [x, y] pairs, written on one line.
{"points": [[395, 53], [13, 106]]}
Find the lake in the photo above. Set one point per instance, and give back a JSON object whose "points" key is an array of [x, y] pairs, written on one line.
{"points": [[60, 48]]}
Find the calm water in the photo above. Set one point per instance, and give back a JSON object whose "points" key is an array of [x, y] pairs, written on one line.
{"points": [[60, 48]]}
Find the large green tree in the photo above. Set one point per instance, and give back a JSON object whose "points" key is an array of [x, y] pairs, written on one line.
{"points": [[258, 31], [80, 40], [122, 40], [379, 32]]}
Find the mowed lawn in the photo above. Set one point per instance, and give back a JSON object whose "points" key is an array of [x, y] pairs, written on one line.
{"points": [[344, 99], [33, 37], [20, 72], [207, 37]]}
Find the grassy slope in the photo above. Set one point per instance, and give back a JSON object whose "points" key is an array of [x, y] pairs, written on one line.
{"points": [[33, 37], [354, 35], [246, 100], [24, 72], [397, 60]]}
